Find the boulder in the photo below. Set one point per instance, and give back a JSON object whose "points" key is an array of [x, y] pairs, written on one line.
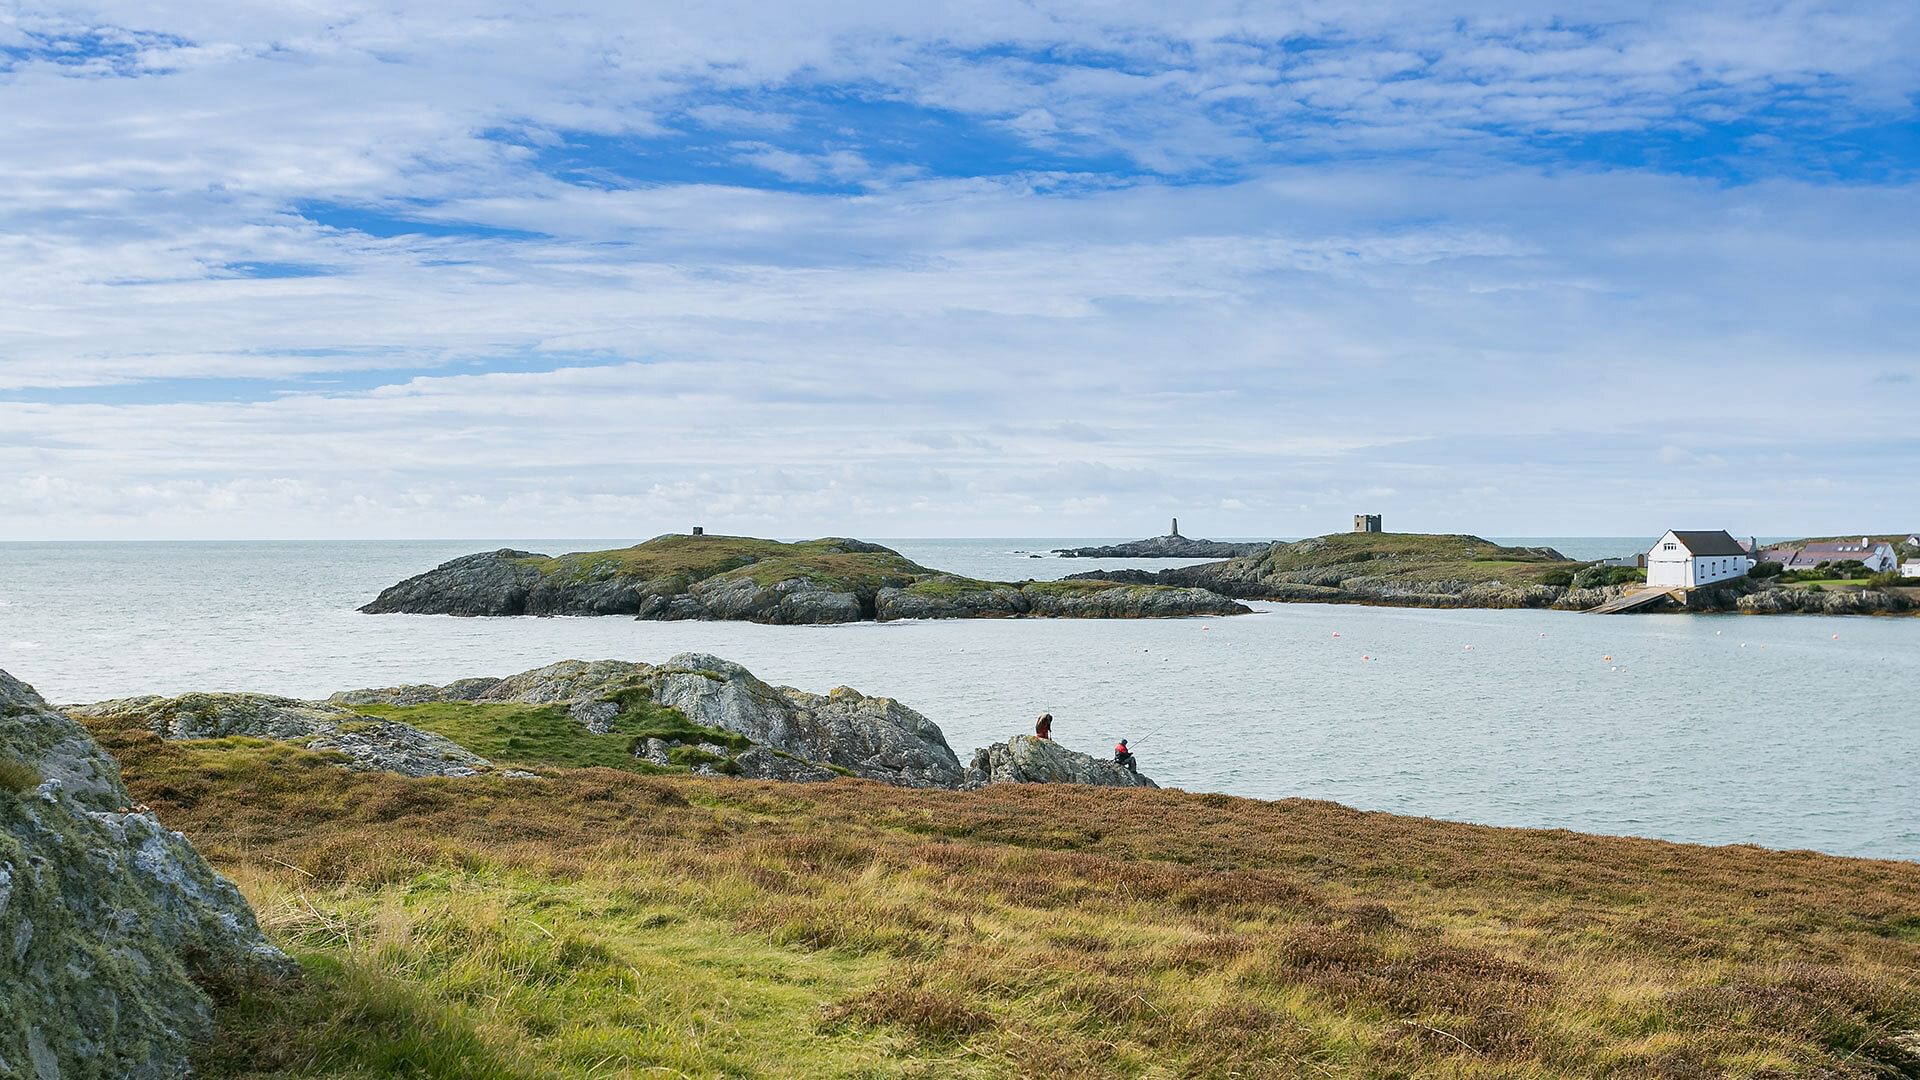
{"points": [[368, 743], [106, 917], [873, 737], [1029, 759]]}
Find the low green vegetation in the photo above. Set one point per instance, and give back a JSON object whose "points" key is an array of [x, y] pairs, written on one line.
{"points": [[544, 736], [601, 924], [1601, 577], [17, 775], [684, 560], [1412, 557]]}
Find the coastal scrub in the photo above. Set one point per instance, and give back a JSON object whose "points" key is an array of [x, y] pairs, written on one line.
{"points": [[606, 924]]}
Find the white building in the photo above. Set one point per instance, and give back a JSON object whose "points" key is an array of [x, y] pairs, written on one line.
{"points": [[1686, 559], [1911, 568], [1873, 554]]}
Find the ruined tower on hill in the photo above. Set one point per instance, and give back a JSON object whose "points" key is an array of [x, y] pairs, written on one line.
{"points": [[1366, 523]]}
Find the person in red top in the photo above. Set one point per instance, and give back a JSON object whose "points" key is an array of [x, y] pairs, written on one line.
{"points": [[1124, 756], [1043, 727]]}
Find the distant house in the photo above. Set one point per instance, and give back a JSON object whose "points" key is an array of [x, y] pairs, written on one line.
{"points": [[1911, 541], [1875, 555], [1910, 568], [1685, 559]]}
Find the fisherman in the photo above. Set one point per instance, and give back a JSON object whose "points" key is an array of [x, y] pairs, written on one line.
{"points": [[1124, 756], [1043, 727]]}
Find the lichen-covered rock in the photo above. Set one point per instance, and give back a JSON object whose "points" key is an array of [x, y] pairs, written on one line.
{"points": [[105, 915], [367, 742], [805, 736], [874, 737], [1028, 759]]}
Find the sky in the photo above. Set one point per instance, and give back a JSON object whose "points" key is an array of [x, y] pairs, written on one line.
{"points": [[1016, 269]]}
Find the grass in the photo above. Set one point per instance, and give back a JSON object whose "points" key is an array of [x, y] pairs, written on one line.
{"points": [[1411, 557], [544, 736], [687, 559], [17, 776], [603, 924]]}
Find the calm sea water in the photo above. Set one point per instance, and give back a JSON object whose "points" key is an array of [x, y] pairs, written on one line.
{"points": [[1780, 731]]}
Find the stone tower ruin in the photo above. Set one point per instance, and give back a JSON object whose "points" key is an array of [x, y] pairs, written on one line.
{"points": [[1366, 523]]}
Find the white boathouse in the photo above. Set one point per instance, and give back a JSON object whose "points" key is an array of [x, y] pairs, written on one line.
{"points": [[1685, 558]]}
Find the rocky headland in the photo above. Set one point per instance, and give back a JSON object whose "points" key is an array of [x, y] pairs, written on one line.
{"points": [[1458, 571], [747, 579], [1405, 569], [109, 921]]}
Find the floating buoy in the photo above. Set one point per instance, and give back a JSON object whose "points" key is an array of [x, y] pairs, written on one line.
{"points": [[1836, 637], [1607, 657], [1366, 657], [1336, 633], [1469, 648]]}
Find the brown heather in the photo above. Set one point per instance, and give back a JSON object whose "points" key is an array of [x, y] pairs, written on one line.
{"points": [[490, 927]]}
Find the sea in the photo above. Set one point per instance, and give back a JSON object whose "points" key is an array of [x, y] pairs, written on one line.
{"points": [[1780, 731]]}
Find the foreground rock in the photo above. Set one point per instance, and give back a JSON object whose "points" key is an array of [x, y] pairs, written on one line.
{"points": [[793, 735], [1028, 759], [753, 580], [367, 742], [106, 917]]}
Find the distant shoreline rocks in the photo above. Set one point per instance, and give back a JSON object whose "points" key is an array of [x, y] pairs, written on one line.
{"points": [[1171, 546]]}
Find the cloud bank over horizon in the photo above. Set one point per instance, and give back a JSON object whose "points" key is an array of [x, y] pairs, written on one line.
{"points": [[351, 270]]}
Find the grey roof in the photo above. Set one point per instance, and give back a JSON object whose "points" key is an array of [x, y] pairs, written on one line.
{"points": [[1716, 542]]}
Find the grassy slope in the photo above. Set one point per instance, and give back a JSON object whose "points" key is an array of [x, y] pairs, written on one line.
{"points": [[1408, 557], [768, 562], [604, 924]]}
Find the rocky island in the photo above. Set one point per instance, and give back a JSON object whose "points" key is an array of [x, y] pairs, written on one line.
{"points": [[1170, 546], [743, 578]]}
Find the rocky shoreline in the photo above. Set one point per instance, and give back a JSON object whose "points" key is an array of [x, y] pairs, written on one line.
{"points": [[695, 713], [1393, 570], [745, 579]]}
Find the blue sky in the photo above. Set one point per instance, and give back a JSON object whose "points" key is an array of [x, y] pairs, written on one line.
{"points": [[1001, 269]]}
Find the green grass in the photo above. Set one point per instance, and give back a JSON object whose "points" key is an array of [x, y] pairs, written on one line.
{"points": [[1408, 557], [537, 736], [483, 972], [17, 776], [688, 559]]}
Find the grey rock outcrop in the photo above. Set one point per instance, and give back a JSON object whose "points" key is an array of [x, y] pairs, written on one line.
{"points": [[367, 742], [1028, 759], [795, 735], [105, 915], [1170, 546], [978, 600], [873, 737]]}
